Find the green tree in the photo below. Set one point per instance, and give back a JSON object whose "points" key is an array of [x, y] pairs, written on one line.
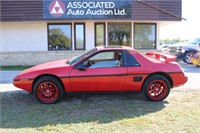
{"points": [[58, 38], [143, 37]]}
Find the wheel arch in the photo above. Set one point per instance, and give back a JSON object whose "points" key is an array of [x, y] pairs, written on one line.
{"points": [[47, 75], [167, 76]]}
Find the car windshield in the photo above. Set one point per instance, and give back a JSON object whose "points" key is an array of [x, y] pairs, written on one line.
{"points": [[82, 56], [194, 41]]}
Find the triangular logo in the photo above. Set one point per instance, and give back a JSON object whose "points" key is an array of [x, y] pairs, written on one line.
{"points": [[57, 9]]}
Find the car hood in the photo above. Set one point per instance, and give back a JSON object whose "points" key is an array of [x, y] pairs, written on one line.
{"points": [[48, 65], [54, 67]]}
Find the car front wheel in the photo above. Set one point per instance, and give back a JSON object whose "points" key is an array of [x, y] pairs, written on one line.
{"points": [[48, 90], [156, 88]]}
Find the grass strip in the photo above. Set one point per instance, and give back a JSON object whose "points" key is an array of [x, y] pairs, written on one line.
{"points": [[14, 67]]}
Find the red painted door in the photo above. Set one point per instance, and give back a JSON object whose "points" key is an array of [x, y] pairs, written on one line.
{"points": [[98, 79]]}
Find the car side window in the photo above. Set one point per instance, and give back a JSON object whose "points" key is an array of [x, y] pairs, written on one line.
{"points": [[130, 60], [106, 59]]}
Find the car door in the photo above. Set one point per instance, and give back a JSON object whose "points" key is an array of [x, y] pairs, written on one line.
{"points": [[136, 73], [98, 73]]}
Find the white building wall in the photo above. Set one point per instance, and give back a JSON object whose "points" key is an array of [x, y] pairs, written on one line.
{"points": [[158, 35], [89, 35], [33, 36], [23, 36]]}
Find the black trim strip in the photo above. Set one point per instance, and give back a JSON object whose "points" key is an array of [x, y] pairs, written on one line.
{"points": [[64, 77], [136, 74], [102, 75], [108, 75], [135, 80]]}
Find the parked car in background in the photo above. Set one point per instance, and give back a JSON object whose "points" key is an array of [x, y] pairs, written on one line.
{"points": [[163, 47], [188, 53], [104, 69], [185, 51], [196, 59]]}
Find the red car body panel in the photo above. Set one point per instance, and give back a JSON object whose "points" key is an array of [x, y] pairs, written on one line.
{"points": [[102, 79]]}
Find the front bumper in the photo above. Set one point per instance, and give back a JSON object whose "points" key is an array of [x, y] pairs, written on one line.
{"points": [[25, 84]]}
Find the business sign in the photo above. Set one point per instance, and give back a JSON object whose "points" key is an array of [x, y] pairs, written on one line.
{"points": [[84, 9]]}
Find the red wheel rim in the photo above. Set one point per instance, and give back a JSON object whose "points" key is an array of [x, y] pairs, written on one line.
{"points": [[47, 92], [157, 89]]}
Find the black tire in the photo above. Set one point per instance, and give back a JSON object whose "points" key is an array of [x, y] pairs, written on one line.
{"points": [[156, 88], [187, 58], [48, 90]]}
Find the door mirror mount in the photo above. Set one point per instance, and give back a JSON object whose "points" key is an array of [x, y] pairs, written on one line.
{"points": [[82, 68]]}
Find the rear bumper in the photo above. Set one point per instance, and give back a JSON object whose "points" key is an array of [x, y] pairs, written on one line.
{"points": [[178, 79]]}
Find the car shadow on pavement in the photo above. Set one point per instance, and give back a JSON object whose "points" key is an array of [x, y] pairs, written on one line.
{"points": [[20, 109]]}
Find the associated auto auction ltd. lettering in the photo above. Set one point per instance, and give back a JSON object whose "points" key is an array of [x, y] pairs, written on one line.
{"points": [[94, 8], [87, 9], [90, 5]]}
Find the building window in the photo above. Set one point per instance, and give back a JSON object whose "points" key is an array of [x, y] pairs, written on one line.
{"points": [[99, 34], [119, 34], [79, 31], [145, 36], [59, 37]]}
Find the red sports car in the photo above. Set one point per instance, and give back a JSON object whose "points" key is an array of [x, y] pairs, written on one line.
{"points": [[104, 69]]}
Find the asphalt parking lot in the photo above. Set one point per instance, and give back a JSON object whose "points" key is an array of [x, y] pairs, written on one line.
{"points": [[191, 71]]}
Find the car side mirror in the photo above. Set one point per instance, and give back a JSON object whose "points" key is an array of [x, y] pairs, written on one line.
{"points": [[82, 66]]}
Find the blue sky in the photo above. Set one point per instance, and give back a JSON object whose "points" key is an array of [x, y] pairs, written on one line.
{"points": [[184, 29]]}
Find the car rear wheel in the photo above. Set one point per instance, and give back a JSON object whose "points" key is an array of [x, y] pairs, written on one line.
{"points": [[188, 57], [48, 90], [156, 88]]}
